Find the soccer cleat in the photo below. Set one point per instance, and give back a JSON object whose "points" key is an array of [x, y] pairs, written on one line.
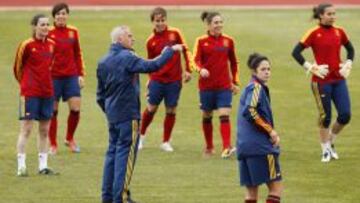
{"points": [[141, 142], [226, 153], [48, 172], [326, 156], [166, 147], [333, 152], [53, 150], [72, 146], [22, 172], [208, 152]]}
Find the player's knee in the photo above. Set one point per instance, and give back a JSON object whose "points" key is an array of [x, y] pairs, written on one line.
{"points": [[344, 118]]}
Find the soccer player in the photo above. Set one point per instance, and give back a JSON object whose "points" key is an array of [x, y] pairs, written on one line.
{"points": [[329, 74], [68, 75], [257, 141], [118, 95], [213, 53], [164, 84], [32, 65]]}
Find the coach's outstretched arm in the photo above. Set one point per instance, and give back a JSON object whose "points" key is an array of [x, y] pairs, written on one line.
{"points": [[136, 64]]}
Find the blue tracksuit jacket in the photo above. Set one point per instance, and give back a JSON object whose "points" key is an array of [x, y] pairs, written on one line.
{"points": [[118, 82]]}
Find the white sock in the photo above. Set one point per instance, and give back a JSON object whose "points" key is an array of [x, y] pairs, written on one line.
{"points": [[43, 160], [21, 159], [325, 146]]}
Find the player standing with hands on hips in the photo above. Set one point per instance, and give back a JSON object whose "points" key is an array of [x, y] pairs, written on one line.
{"points": [[118, 95], [329, 74], [257, 141]]}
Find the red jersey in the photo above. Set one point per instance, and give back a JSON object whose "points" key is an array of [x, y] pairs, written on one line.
{"points": [[172, 70], [214, 54], [325, 43], [32, 67], [68, 59]]}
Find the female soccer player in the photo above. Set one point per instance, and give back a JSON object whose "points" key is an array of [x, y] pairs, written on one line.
{"points": [[32, 70], [257, 141], [68, 75], [164, 84], [212, 54], [328, 74]]}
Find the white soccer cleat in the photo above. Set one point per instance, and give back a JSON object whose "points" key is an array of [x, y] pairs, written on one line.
{"points": [[226, 153], [333, 153], [166, 147], [326, 156], [141, 142], [22, 172]]}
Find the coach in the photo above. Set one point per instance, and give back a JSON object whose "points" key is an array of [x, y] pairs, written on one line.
{"points": [[118, 96]]}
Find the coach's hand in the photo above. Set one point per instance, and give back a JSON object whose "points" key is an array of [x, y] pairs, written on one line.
{"points": [[345, 68], [274, 137], [187, 77], [81, 82], [177, 47], [320, 71], [204, 73]]}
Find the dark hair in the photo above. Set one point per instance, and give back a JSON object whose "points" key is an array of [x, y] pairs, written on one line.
{"points": [[320, 9], [157, 11], [34, 21], [58, 7], [255, 59], [208, 16]]}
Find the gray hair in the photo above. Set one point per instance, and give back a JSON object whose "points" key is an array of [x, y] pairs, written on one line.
{"points": [[117, 32]]}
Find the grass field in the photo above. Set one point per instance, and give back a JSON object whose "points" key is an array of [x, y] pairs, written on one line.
{"points": [[184, 176]]}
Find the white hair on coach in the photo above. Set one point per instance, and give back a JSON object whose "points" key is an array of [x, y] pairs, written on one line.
{"points": [[118, 31]]}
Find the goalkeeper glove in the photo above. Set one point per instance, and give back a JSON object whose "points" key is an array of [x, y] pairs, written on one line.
{"points": [[319, 70], [345, 68]]}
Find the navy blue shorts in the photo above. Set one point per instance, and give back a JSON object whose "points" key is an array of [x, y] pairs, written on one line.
{"points": [[214, 99], [66, 88], [36, 108], [261, 169], [158, 91], [337, 93]]}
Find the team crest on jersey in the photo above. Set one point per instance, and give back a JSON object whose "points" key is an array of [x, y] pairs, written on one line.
{"points": [[71, 34], [226, 43], [206, 44], [52, 36], [337, 33], [33, 49], [318, 35], [153, 44], [172, 37]]}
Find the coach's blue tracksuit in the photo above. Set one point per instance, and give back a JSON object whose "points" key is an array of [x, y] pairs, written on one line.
{"points": [[118, 96]]}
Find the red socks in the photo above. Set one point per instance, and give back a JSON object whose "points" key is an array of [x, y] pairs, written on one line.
{"points": [[73, 121], [225, 130], [250, 201], [273, 199], [53, 129], [146, 119], [208, 132], [169, 123]]}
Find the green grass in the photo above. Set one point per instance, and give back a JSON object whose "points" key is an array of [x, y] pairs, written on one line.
{"points": [[184, 176]]}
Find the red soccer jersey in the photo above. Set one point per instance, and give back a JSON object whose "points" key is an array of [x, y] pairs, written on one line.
{"points": [[68, 59], [214, 54], [172, 70], [325, 43], [32, 68]]}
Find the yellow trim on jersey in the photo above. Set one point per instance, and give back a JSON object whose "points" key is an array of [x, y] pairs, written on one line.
{"points": [[19, 58], [308, 33], [72, 27], [316, 92], [237, 75], [272, 169], [131, 159], [195, 50], [255, 96], [187, 54]]}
